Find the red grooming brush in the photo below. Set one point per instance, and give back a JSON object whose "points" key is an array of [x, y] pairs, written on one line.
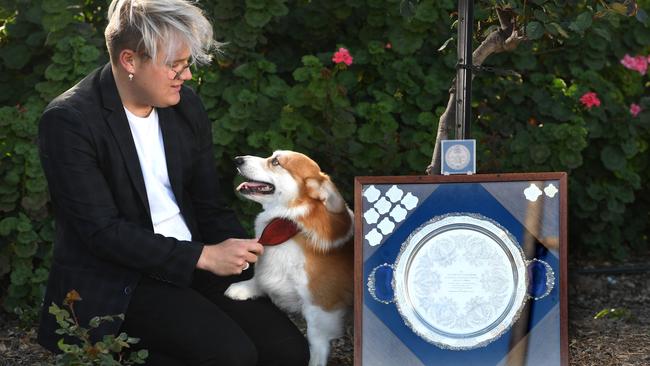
{"points": [[278, 231]]}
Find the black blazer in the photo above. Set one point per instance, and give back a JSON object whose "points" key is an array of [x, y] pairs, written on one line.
{"points": [[104, 235]]}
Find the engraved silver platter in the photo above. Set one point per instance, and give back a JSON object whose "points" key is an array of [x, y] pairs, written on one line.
{"points": [[460, 281]]}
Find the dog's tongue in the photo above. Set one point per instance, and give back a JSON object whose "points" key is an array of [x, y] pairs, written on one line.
{"points": [[278, 231], [251, 186]]}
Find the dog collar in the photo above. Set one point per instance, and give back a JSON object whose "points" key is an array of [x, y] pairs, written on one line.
{"points": [[278, 231]]}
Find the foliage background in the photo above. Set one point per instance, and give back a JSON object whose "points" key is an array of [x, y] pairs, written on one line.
{"points": [[274, 86]]}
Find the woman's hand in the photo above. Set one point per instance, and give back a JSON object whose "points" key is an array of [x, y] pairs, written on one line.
{"points": [[230, 257]]}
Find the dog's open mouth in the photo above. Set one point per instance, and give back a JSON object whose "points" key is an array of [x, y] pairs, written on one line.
{"points": [[254, 187]]}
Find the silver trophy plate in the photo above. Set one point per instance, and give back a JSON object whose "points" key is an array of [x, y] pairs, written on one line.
{"points": [[460, 281]]}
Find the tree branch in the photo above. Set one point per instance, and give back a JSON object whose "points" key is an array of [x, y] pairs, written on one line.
{"points": [[506, 39]]}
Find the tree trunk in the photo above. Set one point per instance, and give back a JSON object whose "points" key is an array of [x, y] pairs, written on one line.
{"points": [[507, 38]]}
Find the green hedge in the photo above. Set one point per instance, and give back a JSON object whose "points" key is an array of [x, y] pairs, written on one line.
{"points": [[275, 87]]}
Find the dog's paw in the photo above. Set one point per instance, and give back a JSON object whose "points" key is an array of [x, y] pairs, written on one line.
{"points": [[242, 291]]}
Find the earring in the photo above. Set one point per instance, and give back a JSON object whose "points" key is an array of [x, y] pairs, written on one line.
{"points": [[130, 77]]}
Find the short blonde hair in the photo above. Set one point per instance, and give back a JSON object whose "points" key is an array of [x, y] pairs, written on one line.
{"points": [[144, 26]]}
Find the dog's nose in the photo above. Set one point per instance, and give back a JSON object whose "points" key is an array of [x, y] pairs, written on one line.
{"points": [[239, 160]]}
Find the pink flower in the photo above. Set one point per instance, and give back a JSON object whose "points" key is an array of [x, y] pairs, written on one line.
{"points": [[635, 109], [389, 46], [342, 55], [590, 99], [637, 63]]}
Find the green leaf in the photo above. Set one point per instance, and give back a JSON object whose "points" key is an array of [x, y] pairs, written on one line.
{"points": [[20, 275], [296, 96], [344, 125], [540, 15], [240, 114], [426, 12], [274, 87], [641, 35], [369, 133], [407, 8], [426, 119], [561, 112], [267, 66], [582, 22], [424, 101], [27, 237], [525, 61], [539, 153], [56, 22], [405, 42], [278, 9], [35, 39], [256, 4], [615, 206], [534, 30], [40, 276], [247, 97], [613, 158], [257, 139], [63, 346], [376, 48], [302, 74], [603, 33], [571, 159], [7, 225], [278, 141], [88, 53], [25, 250], [94, 322], [630, 148], [257, 18], [15, 56], [57, 72], [615, 313], [291, 121], [246, 71], [54, 6]]}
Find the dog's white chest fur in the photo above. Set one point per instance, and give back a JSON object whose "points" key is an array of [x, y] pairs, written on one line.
{"points": [[280, 274]]}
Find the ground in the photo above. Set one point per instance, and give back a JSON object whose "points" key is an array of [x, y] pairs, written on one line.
{"points": [[620, 338]]}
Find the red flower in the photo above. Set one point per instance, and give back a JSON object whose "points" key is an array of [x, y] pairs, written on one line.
{"points": [[637, 63], [590, 99], [635, 109], [342, 56]]}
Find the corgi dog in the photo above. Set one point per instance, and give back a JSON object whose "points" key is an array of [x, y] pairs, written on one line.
{"points": [[311, 270]]}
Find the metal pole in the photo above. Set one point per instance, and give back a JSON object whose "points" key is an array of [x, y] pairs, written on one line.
{"points": [[464, 72]]}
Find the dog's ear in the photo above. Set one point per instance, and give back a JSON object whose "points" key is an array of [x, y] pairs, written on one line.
{"points": [[325, 191]]}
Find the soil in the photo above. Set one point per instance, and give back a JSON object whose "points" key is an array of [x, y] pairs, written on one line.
{"points": [[620, 336]]}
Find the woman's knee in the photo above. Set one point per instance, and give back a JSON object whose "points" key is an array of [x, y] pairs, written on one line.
{"points": [[240, 353], [298, 356], [288, 352]]}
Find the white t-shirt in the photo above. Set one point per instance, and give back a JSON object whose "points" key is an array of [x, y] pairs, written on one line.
{"points": [[165, 214]]}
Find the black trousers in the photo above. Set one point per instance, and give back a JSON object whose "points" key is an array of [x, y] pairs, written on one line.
{"points": [[200, 326]]}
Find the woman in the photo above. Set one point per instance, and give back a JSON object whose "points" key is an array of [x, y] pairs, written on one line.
{"points": [[141, 228]]}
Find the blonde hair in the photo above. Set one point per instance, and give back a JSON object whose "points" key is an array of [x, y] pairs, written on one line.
{"points": [[145, 26]]}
